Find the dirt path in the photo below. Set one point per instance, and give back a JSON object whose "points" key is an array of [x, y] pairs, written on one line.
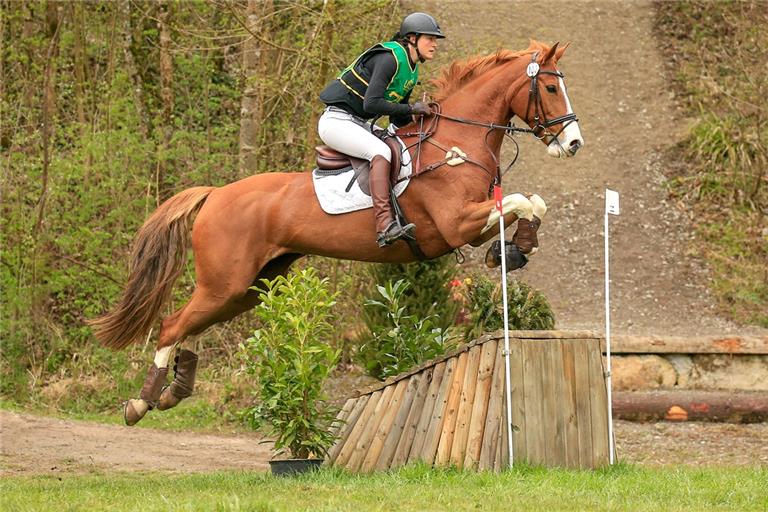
{"points": [[34, 445]]}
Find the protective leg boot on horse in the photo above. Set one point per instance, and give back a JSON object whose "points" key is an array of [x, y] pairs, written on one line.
{"points": [[388, 229], [150, 394], [183, 380], [525, 237]]}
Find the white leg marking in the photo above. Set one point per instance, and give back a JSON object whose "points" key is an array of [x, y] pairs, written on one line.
{"points": [[162, 356], [516, 203]]}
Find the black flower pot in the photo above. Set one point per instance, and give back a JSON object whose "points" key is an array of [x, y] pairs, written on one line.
{"points": [[287, 467]]}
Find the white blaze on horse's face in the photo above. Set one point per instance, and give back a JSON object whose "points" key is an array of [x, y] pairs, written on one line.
{"points": [[569, 141]]}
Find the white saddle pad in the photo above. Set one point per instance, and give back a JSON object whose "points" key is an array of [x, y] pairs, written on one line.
{"points": [[331, 188]]}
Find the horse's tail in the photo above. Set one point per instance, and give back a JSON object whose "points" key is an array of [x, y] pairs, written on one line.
{"points": [[158, 258]]}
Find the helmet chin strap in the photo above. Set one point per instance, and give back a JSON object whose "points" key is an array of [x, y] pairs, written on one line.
{"points": [[416, 47]]}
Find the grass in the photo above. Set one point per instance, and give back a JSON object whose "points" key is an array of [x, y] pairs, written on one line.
{"points": [[417, 488]]}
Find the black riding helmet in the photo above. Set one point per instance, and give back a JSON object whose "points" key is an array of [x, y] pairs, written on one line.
{"points": [[420, 23]]}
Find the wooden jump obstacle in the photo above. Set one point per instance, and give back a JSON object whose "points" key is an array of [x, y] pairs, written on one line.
{"points": [[451, 411]]}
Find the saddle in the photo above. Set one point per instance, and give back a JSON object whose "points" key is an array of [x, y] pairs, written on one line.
{"points": [[329, 159]]}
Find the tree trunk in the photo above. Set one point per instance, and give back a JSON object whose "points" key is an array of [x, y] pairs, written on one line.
{"points": [[322, 77], [251, 104], [167, 99], [53, 18], [78, 22], [691, 405], [132, 69]]}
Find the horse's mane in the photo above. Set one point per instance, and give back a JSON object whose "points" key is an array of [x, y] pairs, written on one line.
{"points": [[461, 72]]}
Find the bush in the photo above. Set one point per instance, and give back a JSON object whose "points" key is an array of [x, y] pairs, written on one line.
{"points": [[291, 356], [403, 340], [483, 311], [427, 293]]}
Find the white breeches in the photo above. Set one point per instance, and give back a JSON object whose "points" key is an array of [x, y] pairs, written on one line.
{"points": [[350, 135]]}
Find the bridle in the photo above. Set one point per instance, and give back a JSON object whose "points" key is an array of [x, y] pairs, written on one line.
{"points": [[541, 123], [540, 128]]}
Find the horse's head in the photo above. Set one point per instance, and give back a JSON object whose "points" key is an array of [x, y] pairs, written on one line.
{"points": [[547, 109]]}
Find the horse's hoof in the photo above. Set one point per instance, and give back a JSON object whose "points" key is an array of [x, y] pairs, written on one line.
{"points": [[167, 399], [514, 256], [493, 255], [135, 409]]}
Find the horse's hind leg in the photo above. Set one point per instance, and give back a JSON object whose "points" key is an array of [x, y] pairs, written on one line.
{"points": [[205, 308]]}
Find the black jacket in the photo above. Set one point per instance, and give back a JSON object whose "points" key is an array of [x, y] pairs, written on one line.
{"points": [[381, 67]]}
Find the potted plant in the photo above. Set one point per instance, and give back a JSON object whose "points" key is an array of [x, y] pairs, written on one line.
{"points": [[291, 356]]}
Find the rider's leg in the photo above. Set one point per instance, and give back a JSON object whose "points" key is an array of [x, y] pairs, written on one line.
{"points": [[347, 134], [388, 229]]}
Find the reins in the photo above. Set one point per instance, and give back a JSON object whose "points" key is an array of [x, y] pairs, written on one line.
{"points": [[541, 123]]}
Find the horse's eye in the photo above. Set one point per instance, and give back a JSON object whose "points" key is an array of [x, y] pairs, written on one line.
{"points": [[552, 89]]}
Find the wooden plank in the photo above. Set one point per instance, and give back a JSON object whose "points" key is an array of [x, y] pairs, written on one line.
{"points": [[435, 427], [502, 454], [480, 406], [364, 442], [598, 404], [415, 411], [396, 430], [451, 412], [569, 405], [627, 344], [349, 445], [425, 418], [383, 430], [554, 402], [339, 425], [494, 419], [466, 405], [428, 364], [583, 411], [533, 389], [519, 420], [545, 335]]}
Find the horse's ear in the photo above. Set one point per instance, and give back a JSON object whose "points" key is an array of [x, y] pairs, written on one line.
{"points": [[550, 54], [560, 51]]}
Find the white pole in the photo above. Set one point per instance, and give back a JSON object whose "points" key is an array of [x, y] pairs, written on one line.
{"points": [[612, 207], [507, 371]]}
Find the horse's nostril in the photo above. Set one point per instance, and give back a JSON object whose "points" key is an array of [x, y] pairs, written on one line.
{"points": [[574, 146]]}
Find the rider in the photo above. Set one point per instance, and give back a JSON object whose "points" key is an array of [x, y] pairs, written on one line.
{"points": [[379, 82]]}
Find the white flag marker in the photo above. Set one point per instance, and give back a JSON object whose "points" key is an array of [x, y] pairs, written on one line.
{"points": [[612, 208]]}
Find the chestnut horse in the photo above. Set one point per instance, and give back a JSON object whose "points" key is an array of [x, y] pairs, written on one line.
{"points": [[257, 227]]}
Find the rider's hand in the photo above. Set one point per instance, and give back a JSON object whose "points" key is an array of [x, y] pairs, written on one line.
{"points": [[421, 109]]}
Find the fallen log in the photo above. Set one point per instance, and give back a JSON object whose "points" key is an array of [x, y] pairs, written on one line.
{"points": [[691, 405]]}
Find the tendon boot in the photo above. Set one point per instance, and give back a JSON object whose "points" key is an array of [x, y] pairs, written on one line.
{"points": [[183, 380], [388, 230], [525, 237], [150, 392]]}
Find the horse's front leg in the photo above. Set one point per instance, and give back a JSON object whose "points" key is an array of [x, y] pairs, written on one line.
{"points": [[479, 218], [482, 217]]}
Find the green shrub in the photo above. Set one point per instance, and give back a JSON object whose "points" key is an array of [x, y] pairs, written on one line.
{"points": [[483, 311], [427, 293], [404, 339], [291, 356]]}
